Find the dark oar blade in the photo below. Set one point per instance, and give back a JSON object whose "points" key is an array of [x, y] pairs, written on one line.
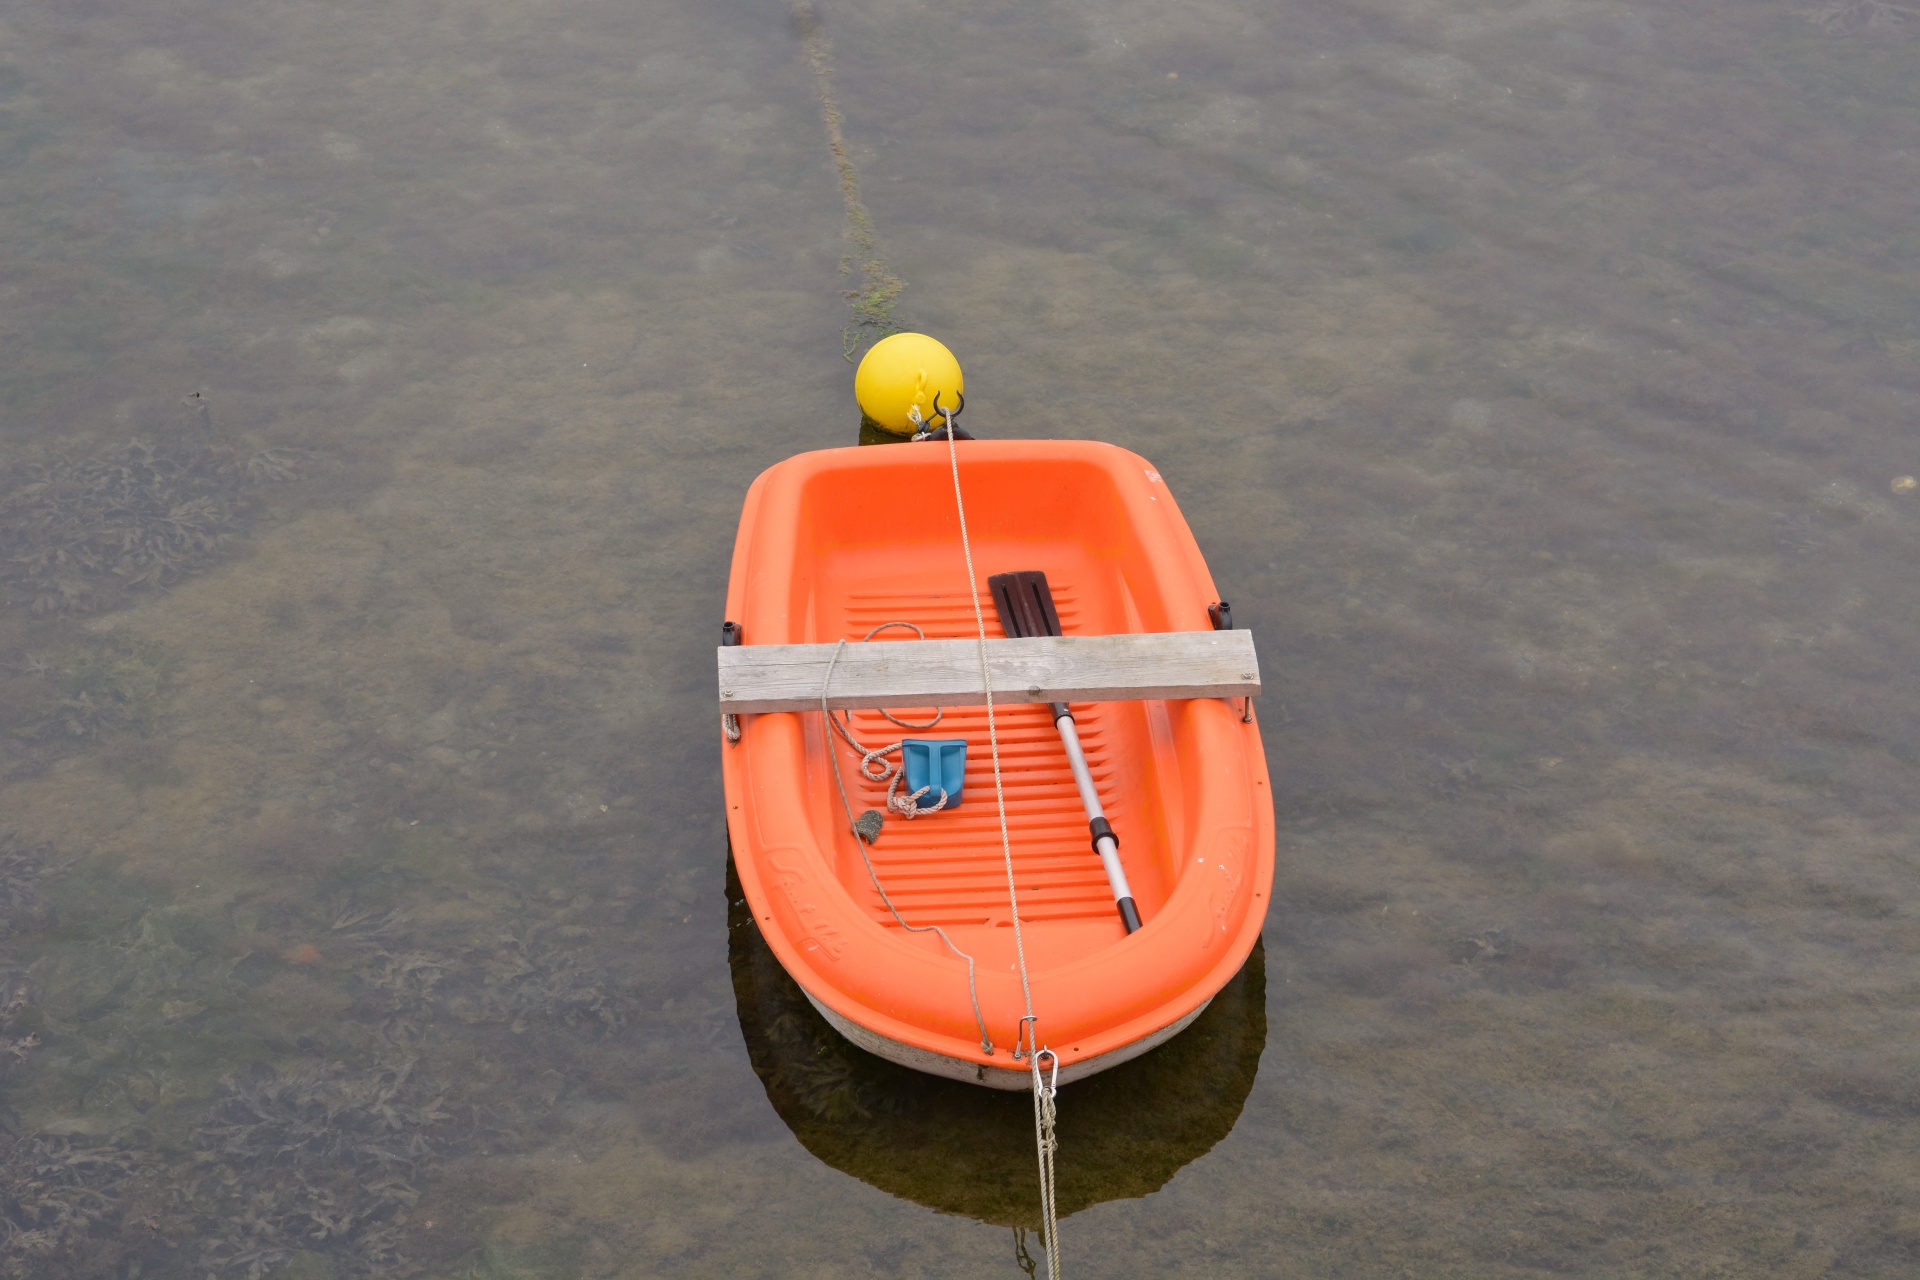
{"points": [[1024, 602]]}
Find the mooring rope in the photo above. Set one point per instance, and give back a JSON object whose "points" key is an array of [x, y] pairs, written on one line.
{"points": [[1028, 1040], [872, 306]]}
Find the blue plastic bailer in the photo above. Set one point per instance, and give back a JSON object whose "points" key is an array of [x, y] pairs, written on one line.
{"points": [[939, 763]]}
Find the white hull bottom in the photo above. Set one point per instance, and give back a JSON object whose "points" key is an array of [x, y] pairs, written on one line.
{"points": [[1011, 1078]]}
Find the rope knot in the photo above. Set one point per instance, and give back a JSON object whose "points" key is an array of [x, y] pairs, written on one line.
{"points": [[909, 806]]}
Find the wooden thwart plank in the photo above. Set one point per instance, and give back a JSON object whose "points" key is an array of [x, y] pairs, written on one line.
{"points": [[946, 673]]}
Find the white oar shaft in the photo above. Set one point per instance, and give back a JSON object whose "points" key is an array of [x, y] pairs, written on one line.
{"points": [[1082, 777], [1105, 845], [1110, 859]]}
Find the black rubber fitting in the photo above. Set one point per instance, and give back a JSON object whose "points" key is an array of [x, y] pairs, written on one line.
{"points": [[1129, 915], [1101, 827], [729, 634]]}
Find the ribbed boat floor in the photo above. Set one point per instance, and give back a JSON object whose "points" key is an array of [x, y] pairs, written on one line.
{"points": [[947, 868]]}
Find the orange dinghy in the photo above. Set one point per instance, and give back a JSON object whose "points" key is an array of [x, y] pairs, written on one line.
{"points": [[907, 944]]}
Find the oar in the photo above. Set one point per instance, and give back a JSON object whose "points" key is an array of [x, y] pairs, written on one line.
{"points": [[1024, 602]]}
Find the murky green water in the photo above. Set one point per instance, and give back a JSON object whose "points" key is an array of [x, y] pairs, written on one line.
{"points": [[1537, 377]]}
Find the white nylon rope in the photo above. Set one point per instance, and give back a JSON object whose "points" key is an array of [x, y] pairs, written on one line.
{"points": [[1028, 1041], [893, 774], [860, 843]]}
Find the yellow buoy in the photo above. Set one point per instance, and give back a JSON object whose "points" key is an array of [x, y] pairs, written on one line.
{"points": [[906, 371]]}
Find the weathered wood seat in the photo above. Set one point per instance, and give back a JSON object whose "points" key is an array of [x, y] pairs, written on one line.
{"points": [[926, 673]]}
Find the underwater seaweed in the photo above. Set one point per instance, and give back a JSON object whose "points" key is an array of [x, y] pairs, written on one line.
{"points": [[524, 976], [101, 687], [1850, 17], [520, 977], [272, 466], [326, 1159], [18, 999], [76, 532], [61, 1205], [22, 867]]}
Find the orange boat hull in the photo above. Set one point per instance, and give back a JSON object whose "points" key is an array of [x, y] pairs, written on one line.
{"points": [[834, 543]]}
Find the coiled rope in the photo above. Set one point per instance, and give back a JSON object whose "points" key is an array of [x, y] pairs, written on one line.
{"points": [[874, 765], [863, 836]]}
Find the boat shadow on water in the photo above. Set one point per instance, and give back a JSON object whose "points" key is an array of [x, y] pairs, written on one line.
{"points": [[966, 1150]]}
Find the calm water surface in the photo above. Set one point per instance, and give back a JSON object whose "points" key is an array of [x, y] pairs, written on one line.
{"points": [[1537, 376]]}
